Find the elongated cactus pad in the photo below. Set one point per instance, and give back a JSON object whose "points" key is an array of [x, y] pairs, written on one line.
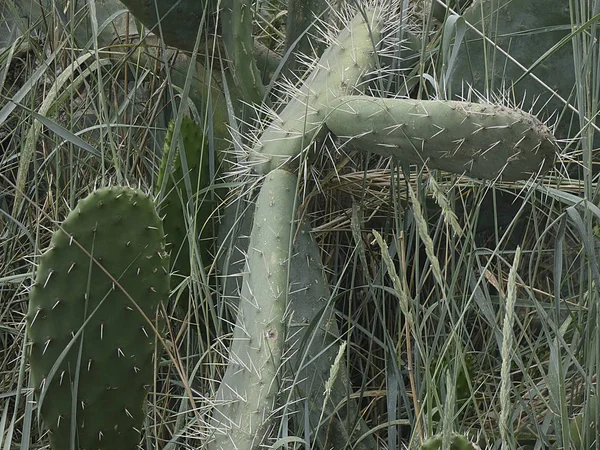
{"points": [[478, 140], [313, 344], [236, 29], [92, 350], [338, 72], [182, 216], [246, 397]]}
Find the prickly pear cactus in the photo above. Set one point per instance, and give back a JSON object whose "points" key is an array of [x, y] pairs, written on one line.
{"points": [[179, 19], [526, 30], [313, 343], [179, 212], [245, 402], [478, 140], [92, 350], [457, 442]]}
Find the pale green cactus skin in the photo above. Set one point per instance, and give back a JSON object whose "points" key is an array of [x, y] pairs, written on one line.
{"points": [[339, 71], [474, 139], [314, 337], [247, 394], [457, 442], [312, 347], [110, 362]]}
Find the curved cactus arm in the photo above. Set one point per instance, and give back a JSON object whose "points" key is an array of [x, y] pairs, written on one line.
{"points": [[311, 329], [245, 400], [339, 71], [478, 140]]}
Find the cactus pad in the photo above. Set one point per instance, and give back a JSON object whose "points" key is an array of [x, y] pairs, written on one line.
{"points": [[526, 30], [478, 140], [176, 208], [244, 403], [92, 350], [179, 19]]}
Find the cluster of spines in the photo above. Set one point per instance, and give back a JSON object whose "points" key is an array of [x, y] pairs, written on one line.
{"points": [[347, 66]]}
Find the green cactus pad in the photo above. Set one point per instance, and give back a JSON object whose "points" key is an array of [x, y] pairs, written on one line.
{"points": [[105, 374], [525, 30], [478, 140], [176, 208], [457, 442], [179, 19], [338, 72], [236, 31], [313, 344]]}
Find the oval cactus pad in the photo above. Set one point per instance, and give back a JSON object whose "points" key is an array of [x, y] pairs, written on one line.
{"points": [[92, 349]]}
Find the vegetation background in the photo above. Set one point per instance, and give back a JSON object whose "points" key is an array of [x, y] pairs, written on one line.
{"points": [[499, 339]]}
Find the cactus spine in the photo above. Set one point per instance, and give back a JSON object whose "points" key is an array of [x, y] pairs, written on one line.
{"points": [[478, 140], [339, 71], [247, 394], [92, 348]]}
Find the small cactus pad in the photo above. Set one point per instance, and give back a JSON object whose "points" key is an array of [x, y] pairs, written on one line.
{"points": [[457, 442], [478, 140], [176, 208], [92, 350]]}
